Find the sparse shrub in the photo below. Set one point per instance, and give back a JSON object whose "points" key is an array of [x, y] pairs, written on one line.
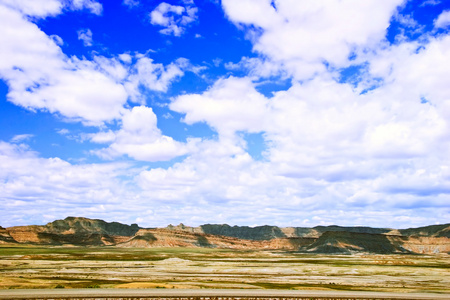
{"points": [[93, 286], [60, 286]]}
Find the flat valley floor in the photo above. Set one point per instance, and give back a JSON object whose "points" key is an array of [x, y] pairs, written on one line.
{"points": [[32, 267]]}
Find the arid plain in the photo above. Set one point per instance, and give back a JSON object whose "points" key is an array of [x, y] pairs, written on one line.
{"points": [[84, 253], [197, 268]]}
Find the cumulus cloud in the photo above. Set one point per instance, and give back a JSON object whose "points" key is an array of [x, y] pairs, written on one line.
{"points": [[44, 8], [139, 138], [230, 105], [374, 148], [258, 67], [443, 20], [85, 35], [174, 18], [348, 147], [29, 183], [91, 5], [38, 8], [328, 143], [41, 77], [304, 128], [131, 3], [147, 74], [301, 36]]}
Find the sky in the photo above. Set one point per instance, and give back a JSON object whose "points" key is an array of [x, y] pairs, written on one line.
{"points": [[245, 112]]}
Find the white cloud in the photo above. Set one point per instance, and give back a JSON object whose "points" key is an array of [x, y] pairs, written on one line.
{"points": [[131, 3], [173, 17], [57, 39], [154, 76], [44, 8], [21, 137], [167, 116], [300, 35], [348, 154], [139, 138], [230, 105], [35, 8], [257, 67], [443, 20], [63, 131], [85, 35], [30, 184], [41, 77], [92, 5], [328, 145], [158, 15], [430, 2], [126, 58], [103, 137]]}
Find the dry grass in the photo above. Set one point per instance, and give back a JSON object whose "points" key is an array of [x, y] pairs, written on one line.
{"points": [[46, 267]]}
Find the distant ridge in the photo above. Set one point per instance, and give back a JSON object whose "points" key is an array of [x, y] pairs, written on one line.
{"points": [[345, 242], [79, 231], [269, 232]]}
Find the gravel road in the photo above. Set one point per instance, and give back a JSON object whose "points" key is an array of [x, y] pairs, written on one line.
{"points": [[205, 294]]}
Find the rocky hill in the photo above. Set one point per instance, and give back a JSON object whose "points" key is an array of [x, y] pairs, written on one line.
{"points": [[271, 232], [73, 231], [84, 225], [5, 237], [432, 230], [320, 239], [342, 242], [345, 242]]}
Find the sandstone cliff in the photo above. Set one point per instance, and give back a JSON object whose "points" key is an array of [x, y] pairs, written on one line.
{"points": [[271, 232], [73, 231], [160, 237], [5, 237], [343, 242], [432, 230], [320, 239]]}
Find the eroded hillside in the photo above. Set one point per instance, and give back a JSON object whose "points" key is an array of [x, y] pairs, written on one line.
{"points": [[78, 231]]}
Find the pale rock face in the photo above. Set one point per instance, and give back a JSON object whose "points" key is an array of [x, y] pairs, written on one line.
{"points": [[320, 239]]}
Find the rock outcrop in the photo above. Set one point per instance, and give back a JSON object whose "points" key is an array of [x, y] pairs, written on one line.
{"points": [[5, 237], [429, 231], [161, 237], [344, 242], [266, 232], [320, 239], [74, 231]]}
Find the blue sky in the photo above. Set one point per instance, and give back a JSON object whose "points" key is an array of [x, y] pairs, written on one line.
{"points": [[247, 112]]}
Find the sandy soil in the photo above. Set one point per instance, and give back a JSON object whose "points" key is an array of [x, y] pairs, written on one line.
{"points": [[209, 294], [172, 269]]}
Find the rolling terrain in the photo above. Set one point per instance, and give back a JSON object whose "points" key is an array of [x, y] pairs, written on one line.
{"points": [[77, 231]]}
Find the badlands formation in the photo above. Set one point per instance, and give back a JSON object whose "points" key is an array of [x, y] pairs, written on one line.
{"points": [[77, 231]]}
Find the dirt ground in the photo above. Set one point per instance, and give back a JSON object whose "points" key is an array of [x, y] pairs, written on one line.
{"points": [[208, 294], [200, 268]]}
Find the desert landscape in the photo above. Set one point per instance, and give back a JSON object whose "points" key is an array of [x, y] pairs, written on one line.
{"points": [[87, 253], [224, 149], [196, 268]]}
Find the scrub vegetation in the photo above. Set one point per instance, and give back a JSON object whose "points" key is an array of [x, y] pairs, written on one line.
{"points": [[184, 268]]}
